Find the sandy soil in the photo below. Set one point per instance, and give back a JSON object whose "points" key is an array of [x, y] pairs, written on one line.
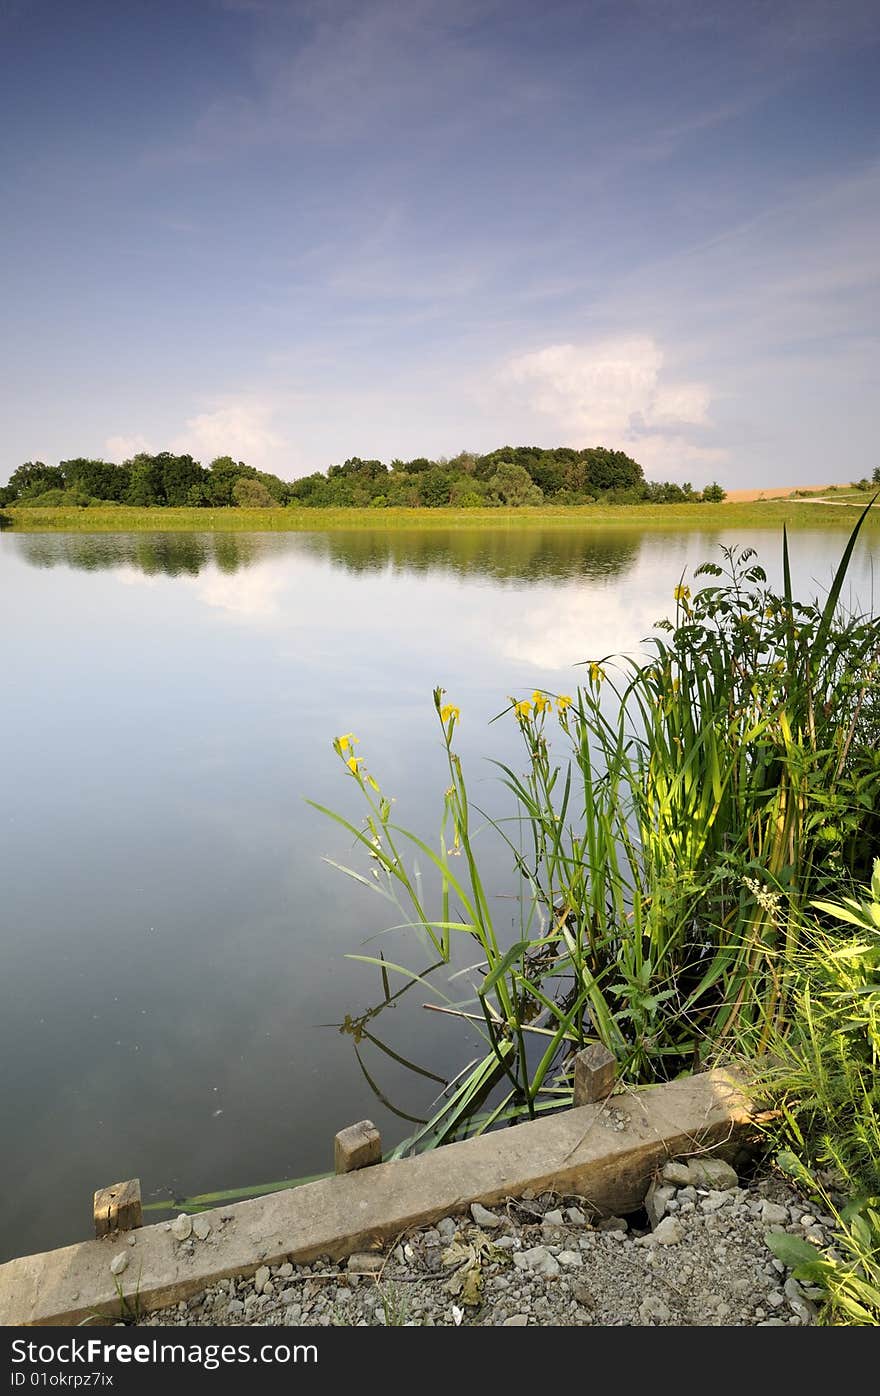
{"points": [[777, 492]]}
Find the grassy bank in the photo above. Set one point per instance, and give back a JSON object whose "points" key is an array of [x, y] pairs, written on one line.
{"points": [[770, 514]]}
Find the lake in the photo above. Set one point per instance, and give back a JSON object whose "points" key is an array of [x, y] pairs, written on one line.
{"points": [[176, 1003]]}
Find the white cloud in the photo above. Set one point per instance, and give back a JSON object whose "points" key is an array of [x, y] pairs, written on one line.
{"points": [[614, 392], [236, 427], [120, 448]]}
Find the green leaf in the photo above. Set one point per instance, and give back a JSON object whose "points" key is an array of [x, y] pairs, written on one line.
{"points": [[793, 1251], [514, 953]]}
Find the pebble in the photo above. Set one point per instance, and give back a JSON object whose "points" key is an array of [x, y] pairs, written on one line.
{"points": [[669, 1232], [516, 1321], [182, 1227], [261, 1278], [365, 1263], [712, 1173], [654, 1309], [537, 1258], [484, 1218], [201, 1227], [773, 1214], [118, 1263]]}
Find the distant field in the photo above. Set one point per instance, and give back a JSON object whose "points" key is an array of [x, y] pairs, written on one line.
{"points": [[772, 514]]}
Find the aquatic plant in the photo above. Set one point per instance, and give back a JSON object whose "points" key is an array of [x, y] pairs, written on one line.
{"points": [[704, 796]]}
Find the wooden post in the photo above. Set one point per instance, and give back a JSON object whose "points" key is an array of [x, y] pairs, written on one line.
{"points": [[118, 1208], [595, 1071], [357, 1147]]}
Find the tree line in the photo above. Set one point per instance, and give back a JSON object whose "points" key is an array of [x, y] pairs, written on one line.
{"points": [[511, 476]]}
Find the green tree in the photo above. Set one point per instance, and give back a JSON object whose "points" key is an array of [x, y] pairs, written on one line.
{"points": [[100, 479], [434, 488], [512, 485], [714, 494], [33, 478], [179, 475], [147, 487], [252, 494]]}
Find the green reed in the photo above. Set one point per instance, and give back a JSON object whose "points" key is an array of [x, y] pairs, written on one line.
{"points": [[670, 825]]}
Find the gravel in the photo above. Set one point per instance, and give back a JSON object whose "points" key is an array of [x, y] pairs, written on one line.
{"points": [[547, 1261]]}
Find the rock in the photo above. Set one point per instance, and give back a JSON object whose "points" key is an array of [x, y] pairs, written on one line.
{"points": [[572, 1259], [516, 1321], [613, 1224], [182, 1227], [365, 1263], [712, 1173], [261, 1278], [575, 1217], [676, 1172], [668, 1232], [446, 1229], [714, 1202], [118, 1263], [656, 1200], [654, 1310], [286, 1270], [553, 1218], [484, 1218], [773, 1214], [539, 1259], [201, 1227], [234, 1307]]}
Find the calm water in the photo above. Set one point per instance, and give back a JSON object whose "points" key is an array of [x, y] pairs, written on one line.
{"points": [[173, 940]]}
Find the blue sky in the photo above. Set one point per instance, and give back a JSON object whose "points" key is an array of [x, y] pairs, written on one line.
{"points": [[297, 230]]}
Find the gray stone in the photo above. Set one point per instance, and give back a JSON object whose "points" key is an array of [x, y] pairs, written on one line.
{"points": [[572, 1259], [516, 1321], [553, 1218], [484, 1218], [714, 1202], [539, 1259], [676, 1172], [446, 1229], [656, 1200], [201, 1227], [182, 1227], [773, 1213], [575, 1216], [261, 1278], [654, 1310], [712, 1173], [365, 1263], [613, 1224], [118, 1263], [668, 1232]]}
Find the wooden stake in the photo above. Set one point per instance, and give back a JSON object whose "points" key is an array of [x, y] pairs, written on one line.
{"points": [[595, 1072], [118, 1208]]}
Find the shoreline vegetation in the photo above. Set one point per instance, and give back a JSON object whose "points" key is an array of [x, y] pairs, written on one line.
{"points": [[694, 838], [800, 513]]}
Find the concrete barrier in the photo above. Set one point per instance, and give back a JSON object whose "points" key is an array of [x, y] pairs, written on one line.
{"points": [[605, 1153]]}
